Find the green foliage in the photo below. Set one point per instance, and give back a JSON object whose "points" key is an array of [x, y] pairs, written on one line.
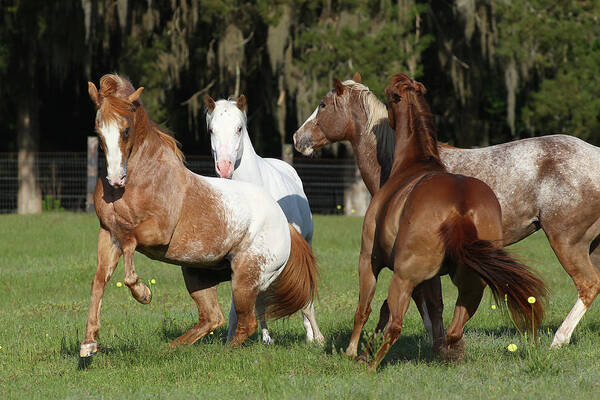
{"points": [[49, 203], [555, 43], [368, 37]]}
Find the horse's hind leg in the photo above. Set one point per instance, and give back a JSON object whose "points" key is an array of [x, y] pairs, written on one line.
{"points": [[310, 324], [138, 290], [244, 287], [108, 257], [399, 295], [576, 261], [262, 319], [204, 293], [428, 298], [470, 291]]}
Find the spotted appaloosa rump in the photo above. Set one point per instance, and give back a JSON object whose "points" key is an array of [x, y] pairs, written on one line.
{"points": [[549, 182]]}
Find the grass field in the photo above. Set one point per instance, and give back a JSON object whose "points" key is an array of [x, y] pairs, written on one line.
{"points": [[47, 263]]}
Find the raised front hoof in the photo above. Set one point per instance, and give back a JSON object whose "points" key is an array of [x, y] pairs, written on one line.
{"points": [[88, 350], [144, 295], [454, 352]]}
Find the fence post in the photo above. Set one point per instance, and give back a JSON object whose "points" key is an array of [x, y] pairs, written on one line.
{"points": [[92, 171]]}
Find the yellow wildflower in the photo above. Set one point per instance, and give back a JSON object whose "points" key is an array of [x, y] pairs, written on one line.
{"points": [[531, 300], [493, 306], [512, 347], [153, 281], [119, 284], [339, 206]]}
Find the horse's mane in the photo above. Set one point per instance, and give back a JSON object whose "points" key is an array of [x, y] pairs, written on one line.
{"points": [[423, 126], [114, 90], [377, 123]]}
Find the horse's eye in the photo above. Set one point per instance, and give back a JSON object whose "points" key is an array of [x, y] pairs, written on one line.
{"points": [[396, 98], [210, 130], [322, 105], [126, 132], [239, 130]]}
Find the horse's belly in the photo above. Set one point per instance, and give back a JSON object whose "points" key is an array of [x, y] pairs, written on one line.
{"points": [[161, 253]]}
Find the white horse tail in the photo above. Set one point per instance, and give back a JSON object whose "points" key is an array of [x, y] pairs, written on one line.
{"points": [[296, 286]]}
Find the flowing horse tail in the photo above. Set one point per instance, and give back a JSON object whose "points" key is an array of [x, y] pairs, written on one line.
{"points": [[296, 286], [510, 281]]}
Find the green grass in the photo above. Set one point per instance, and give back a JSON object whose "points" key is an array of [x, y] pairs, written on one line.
{"points": [[47, 263]]}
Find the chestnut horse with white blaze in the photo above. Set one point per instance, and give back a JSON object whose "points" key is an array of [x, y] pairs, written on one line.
{"points": [[549, 182], [236, 159], [215, 229], [425, 221]]}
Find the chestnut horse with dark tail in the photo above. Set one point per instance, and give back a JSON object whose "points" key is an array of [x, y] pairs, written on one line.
{"points": [[424, 222]]}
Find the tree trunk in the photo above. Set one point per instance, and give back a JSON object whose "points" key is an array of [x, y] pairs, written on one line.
{"points": [[29, 200]]}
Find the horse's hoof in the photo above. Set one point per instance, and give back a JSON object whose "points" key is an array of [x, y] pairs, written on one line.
{"points": [[145, 298], [267, 340], [320, 340], [88, 350], [351, 354], [362, 359]]}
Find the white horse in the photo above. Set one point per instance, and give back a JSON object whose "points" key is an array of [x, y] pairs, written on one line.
{"points": [[236, 159]]}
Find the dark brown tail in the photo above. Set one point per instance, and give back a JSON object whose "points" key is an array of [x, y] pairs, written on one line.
{"points": [[506, 277], [296, 286]]}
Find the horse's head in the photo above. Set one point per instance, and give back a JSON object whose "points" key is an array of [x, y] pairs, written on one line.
{"points": [[116, 103], [330, 122], [401, 92], [226, 122]]}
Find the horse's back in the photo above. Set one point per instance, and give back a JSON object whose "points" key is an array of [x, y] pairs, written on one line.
{"points": [[543, 176], [221, 218], [283, 183]]}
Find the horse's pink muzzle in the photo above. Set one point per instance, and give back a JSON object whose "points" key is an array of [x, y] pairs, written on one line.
{"points": [[117, 182], [225, 168]]}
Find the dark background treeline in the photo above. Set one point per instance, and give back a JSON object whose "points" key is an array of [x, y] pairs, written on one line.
{"points": [[495, 70]]}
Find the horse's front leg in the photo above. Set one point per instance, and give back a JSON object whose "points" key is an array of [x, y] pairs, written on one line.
{"points": [[108, 257], [139, 290], [367, 277]]}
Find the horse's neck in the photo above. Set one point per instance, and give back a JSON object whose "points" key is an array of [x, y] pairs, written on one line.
{"points": [[365, 151], [250, 164], [409, 149], [373, 148], [149, 158]]}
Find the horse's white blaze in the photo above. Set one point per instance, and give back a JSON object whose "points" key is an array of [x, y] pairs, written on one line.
{"points": [[111, 134], [312, 116], [563, 334]]}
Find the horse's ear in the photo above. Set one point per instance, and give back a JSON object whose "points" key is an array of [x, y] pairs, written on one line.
{"points": [[93, 91], [241, 102], [420, 88], [356, 77], [209, 103], [133, 97], [391, 118], [339, 87]]}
